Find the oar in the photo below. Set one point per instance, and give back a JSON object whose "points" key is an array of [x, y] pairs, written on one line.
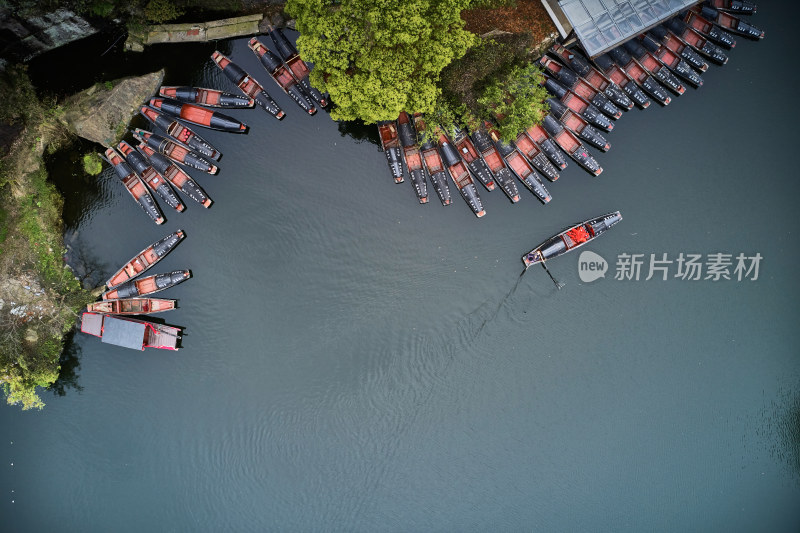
{"points": [[558, 285]]}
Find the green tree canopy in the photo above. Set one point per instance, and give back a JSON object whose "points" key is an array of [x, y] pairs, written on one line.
{"points": [[517, 99], [377, 58]]}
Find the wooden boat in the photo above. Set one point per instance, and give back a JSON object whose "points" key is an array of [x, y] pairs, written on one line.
{"points": [[460, 175], [578, 125], [615, 73], [132, 306], [654, 66], [662, 35], [580, 87], [412, 156], [639, 75], [300, 70], [539, 135], [282, 76], [519, 166], [581, 66], [672, 60], [134, 185], [150, 176], [535, 156], [578, 105], [697, 41], [571, 238], [728, 22], [130, 332], [568, 142], [180, 132], [201, 116], [709, 29], [742, 7], [433, 162], [494, 161], [247, 84], [148, 285], [390, 144], [145, 259], [177, 177], [175, 151], [206, 97], [472, 158]]}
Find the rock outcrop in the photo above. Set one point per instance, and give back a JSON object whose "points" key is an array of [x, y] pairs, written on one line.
{"points": [[101, 114], [29, 37]]}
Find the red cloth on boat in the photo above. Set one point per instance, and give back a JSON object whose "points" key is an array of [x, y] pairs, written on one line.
{"points": [[578, 235]]}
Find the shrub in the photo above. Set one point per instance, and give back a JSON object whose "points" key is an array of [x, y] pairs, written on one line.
{"points": [[160, 11], [92, 164]]}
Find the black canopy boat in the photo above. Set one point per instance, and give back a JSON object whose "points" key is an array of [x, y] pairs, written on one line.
{"points": [[472, 158], [299, 68], [177, 177], [412, 155], [146, 259], [433, 162], [730, 23], [175, 151], [578, 125], [578, 105], [539, 135], [520, 167], [206, 97], [460, 175], [696, 41], [494, 161], [535, 156], [247, 84], [621, 78], [662, 35], [705, 27], [150, 176], [654, 66], [390, 144], [571, 145], [180, 132], [580, 86], [282, 76], [639, 75], [147, 285], [134, 185], [743, 7], [581, 66], [671, 60], [571, 238], [201, 116]]}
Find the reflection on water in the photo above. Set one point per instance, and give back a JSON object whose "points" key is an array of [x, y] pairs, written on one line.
{"points": [[69, 364], [358, 131]]}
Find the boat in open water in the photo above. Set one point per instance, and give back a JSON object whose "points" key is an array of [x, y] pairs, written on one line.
{"points": [[130, 332], [412, 156], [571, 238], [632, 67], [433, 161], [180, 132], [672, 60], [132, 306], [145, 259], [654, 66], [535, 156], [282, 76], [194, 114], [177, 177], [578, 63], [579, 86], [175, 151], [460, 175], [709, 29], [494, 161], [141, 165], [147, 285], [578, 105], [390, 144], [728, 22], [568, 142], [662, 35], [134, 185], [578, 125], [247, 84], [472, 158], [520, 166], [206, 97], [300, 70], [696, 41]]}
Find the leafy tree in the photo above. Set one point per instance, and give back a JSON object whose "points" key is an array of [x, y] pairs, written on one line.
{"points": [[159, 11], [377, 58], [92, 164], [517, 99]]}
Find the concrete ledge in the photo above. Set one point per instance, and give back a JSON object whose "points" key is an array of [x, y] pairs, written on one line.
{"points": [[195, 32]]}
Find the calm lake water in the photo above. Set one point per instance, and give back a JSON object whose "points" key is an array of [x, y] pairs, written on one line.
{"points": [[354, 361]]}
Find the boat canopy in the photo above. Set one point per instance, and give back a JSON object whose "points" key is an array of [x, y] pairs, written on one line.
{"points": [[123, 333]]}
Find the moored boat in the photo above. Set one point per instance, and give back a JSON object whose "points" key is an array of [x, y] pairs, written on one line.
{"points": [[175, 151], [535, 156], [580, 86], [578, 125], [180, 132], [550, 148], [472, 158], [282, 76], [247, 84], [145, 259], [177, 177], [730, 23], [743, 7], [390, 144], [147, 285], [132, 306], [494, 161], [697, 41], [571, 238], [460, 175], [578, 104], [639, 75], [654, 66], [412, 156], [578, 63], [709, 29], [201, 116], [671, 60], [134, 185], [297, 66], [150, 176], [433, 162], [568, 142], [130, 332], [662, 35], [520, 166], [621, 78], [206, 97]]}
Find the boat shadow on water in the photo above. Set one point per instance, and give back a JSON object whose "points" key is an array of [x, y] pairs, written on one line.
{"points": [[69, 363]]}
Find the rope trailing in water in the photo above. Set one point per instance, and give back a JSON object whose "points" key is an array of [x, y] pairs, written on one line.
{"points": [[558, 285]]}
